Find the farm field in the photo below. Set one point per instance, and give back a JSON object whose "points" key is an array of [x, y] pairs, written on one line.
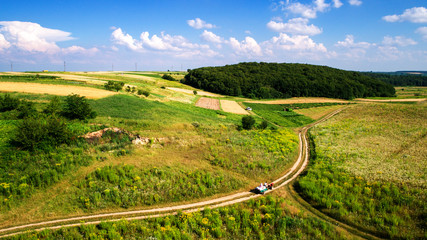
{"points": [[209, 103], [369, 168], [232, 107]]}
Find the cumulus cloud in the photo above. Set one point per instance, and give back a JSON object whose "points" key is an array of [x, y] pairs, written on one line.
{"points": [[4, 44], [337, 3], [302, 9], [199, 24], [290, 43], [349, 43], [355, 2], [163, 43], [211, 37], [415, 15], [248, 47], [32, 37], [398, 41], [422, 31], [297, 26], [80, 50], [127, 40]]}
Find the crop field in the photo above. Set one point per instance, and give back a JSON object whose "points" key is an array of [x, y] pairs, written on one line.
{"points": [[232, 107], [209, 103], [369, 168], [61, 90]]}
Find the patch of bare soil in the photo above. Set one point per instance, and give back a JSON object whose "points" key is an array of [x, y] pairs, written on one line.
{"points": [[391, 100], [232, 107], [61, 90], [208, 103]]}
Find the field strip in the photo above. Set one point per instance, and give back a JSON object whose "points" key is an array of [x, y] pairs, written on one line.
{"points": [[301, 100], [220, 202], [209, 103], [232, 107], [188, 91], [391, 100], [61, 90]]}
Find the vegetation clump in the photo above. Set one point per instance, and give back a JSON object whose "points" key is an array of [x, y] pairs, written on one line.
{"points": [[77, 107], [168, 77], [274, 80], [114, 85]]}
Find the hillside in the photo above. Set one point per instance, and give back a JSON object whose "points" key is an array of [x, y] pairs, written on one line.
{"points": [[284, 80], [400, 78]]}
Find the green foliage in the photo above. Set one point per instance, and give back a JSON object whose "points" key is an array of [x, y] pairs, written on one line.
{"points": [[77, 107], [27, 109], [248, 122], [127, 186], [168, 77], [263, 125], [399, 79], [41, 133], [114, 85], [262, 218], [278, 115], [273, 80], [8, 103], [53, 107], [195, 92]]}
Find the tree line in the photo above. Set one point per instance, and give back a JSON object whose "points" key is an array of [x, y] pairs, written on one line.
{"points": [[284, 80], [399, 79]]}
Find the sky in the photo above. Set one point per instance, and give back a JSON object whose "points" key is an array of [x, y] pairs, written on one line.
{"points": [[159, 35]]}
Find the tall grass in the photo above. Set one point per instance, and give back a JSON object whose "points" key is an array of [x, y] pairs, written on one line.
{"points": [[368, 169]]}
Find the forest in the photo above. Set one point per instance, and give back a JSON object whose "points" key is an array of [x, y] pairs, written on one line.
{"points": [[400, 79], [285, 80]]}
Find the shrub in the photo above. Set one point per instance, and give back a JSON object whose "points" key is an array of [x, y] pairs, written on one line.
{"points": [[248, 122], [195, 92], [143, 92], [26, 109], [114, 85], [77, 107], [8, 103], [168, 77], [53, 107], [41, 133], [263, 125]]}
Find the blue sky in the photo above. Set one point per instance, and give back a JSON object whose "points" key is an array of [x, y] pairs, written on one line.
{"points": [[93, 35]]}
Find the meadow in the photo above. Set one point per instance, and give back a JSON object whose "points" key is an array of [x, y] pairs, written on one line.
{"points": [[263, 218], [368, 169]]}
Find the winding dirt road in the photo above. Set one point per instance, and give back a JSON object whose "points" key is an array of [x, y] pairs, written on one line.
{"points": [[290, 175]]}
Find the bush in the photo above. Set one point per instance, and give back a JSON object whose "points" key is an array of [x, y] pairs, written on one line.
{"points": [[8, 103], [114, 85], [41, 133], [168, 77], [195, 92], [143, 92], [248, 122], [263, 125], [53, 107], [77, 107], [27, 109]]}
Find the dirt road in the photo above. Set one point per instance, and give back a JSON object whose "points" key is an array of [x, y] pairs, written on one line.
{"points": [[288, 177]]}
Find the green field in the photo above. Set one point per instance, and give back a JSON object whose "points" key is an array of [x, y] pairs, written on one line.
{"points": [[368, 169]]}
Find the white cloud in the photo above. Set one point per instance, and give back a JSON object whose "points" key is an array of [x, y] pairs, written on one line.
{"points": [[289, 43], [127, 40], [349, 43], [422, 31], [355, 2], [415, 15], [297, 26], [32, 37], [337, 3], [321, 6], [211, 37], [157, 43], [398, 40], [4, 44], [199, 24], [304, 10], [248, 47], [80, 50]]}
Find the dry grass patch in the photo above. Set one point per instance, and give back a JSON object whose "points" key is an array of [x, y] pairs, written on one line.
{"points": [[232, 107], [317, 112], [60, 90], [301, 100]]}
